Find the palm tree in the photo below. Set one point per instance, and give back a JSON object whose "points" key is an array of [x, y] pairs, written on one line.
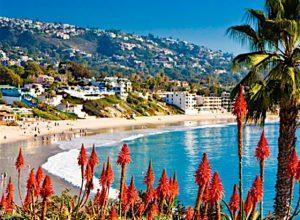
{"points": [[273, 77]]}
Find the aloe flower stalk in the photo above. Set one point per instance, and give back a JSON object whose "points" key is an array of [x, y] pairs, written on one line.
{"points": [[9, 196], [163, 189], [292, 170], [234, 204], [46, 192], [132, 196], [123, 159], [20, 163], [202, 178], [262, 152], [153, 211], [113, 214], [216, 194], [3, 203], [31, 187], [39, 179], [249, 204], [189, 213], [257, 192], [82, 161], [240, 111], [149, 178]]}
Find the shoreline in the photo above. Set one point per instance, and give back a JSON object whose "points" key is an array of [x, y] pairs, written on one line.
{"points": [[33, 130]]}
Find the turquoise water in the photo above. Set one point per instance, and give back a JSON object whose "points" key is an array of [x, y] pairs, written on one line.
{"points": [[181, 152]]}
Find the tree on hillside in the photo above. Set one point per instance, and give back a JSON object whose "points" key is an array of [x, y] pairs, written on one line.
{"points": [[33, 70], [273, 78], [75, 69], [7, 76]]}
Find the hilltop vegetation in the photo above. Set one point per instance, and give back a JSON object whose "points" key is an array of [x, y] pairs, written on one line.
{"points": [[113, 51]]}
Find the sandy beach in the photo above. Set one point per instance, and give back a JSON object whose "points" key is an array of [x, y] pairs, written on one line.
{"points": [[31, 130]]}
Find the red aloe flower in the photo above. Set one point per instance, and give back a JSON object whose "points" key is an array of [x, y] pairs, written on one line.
{"points": [[217, 190], [47, 188], [97, 197], [132, 193], [10, 195], [88, 173], [140, 209], [203, 174], [109, 173], [262, 151], [124, 155], [150, 195], [27, 200], [249, 203], [3, 203], [82, 157], [153, 211], [206, 194], [149, 178], [124, 195], [189, 213], [113, 215], [103, 196], [39, 175], [257, 190], [93, 161], [20, 163], [31, 181], [298, 171], [174, 187], [39, 178], [234, 204], [163, 189], [103, 179], [240, 104], [293, 164]]}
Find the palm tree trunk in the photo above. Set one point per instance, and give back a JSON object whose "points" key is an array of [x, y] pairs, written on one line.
{"points": [[286, 143]]}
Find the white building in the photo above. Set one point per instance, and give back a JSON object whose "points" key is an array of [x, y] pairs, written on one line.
{"points": [[72, 108], [86, 92], [52, 101], [226, 101], [183, 100], [209, 103], [120, 86], [214, 103], [34, 89]]}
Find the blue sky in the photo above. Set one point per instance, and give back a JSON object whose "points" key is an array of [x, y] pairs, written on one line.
{"points": [[199, 21]]}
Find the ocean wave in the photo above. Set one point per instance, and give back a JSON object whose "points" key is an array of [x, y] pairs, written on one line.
{"points": [[64, 165]]}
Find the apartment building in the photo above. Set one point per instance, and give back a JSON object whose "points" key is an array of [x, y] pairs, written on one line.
{"points": [[183, 100], [214, 103]]}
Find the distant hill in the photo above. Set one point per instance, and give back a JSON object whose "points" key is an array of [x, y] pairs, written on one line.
{"points": [[112, 51]]}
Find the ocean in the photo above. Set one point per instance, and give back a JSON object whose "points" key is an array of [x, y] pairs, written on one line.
{"points": [[178, 149]]}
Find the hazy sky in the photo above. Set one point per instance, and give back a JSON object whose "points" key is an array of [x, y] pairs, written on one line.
{"points": [[197, 21]]}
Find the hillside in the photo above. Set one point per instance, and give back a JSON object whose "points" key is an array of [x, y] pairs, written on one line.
{"points": [[112, 51]]}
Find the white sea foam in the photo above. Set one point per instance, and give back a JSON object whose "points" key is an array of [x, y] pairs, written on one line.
{"points": [[64, 164]]}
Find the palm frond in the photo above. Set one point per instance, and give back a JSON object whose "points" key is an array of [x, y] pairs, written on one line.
{"points": [[252, 60], [275, 9], [255, 16], [245, 34]]}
